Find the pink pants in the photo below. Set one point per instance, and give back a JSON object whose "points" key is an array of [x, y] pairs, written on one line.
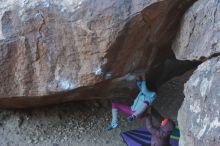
{"points": [[122, 107], [126, 109]]}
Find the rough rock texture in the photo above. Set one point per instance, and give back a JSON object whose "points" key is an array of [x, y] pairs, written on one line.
{"points": [[198, 39], [52, 46], [199, 116], [49, 47], [199, 35]]}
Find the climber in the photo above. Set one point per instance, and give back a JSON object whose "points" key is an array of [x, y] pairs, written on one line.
{"points": [[143, 100], [160, 136]]}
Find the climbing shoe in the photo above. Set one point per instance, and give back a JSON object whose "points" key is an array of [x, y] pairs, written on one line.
{"points": [[111, 126], [131, 118]]}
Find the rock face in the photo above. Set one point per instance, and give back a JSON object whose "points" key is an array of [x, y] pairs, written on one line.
{"points": [[199, 116], [198, 39], [53, 51], [199, 35], [48, 46]]}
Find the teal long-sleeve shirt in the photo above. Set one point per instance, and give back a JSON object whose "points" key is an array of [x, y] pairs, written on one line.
{"points": [[144, 95]]}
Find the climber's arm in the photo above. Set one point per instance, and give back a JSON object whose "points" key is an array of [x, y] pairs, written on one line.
{"points": [[138, 80], [144, 89], [150, 127]]}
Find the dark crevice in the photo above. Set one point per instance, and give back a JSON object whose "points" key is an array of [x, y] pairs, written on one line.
{"points": [[203, 58], [170, 68], [214, 55]]}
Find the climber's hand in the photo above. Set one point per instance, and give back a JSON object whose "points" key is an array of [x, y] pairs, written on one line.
{"points": [[138, 78], [149, 110], [131, 118], [143, 76]]}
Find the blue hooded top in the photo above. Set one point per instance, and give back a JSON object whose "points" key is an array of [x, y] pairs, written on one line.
{"points": [[144, 95]]}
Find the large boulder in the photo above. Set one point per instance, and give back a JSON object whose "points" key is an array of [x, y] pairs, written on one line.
{"points": [[55, 51], [198, 39], [199, 35], [199, 116]]}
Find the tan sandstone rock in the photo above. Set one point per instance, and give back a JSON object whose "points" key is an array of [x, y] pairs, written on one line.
{"points": [[55, 51]]}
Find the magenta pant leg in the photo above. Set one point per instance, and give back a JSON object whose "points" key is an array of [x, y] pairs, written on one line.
{"points": [[122, 107]]}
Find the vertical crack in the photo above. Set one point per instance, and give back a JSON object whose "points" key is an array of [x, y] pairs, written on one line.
{"points": [[215, 12], [40, 36], [192, 30]]}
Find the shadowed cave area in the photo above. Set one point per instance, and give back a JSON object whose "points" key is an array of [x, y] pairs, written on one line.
{"points": [[83, 123]]}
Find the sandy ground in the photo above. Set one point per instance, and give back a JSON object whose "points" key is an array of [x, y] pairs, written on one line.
{"points": [[80, 123]]}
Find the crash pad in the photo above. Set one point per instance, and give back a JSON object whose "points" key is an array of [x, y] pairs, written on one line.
{"points": [[142, 137]]}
